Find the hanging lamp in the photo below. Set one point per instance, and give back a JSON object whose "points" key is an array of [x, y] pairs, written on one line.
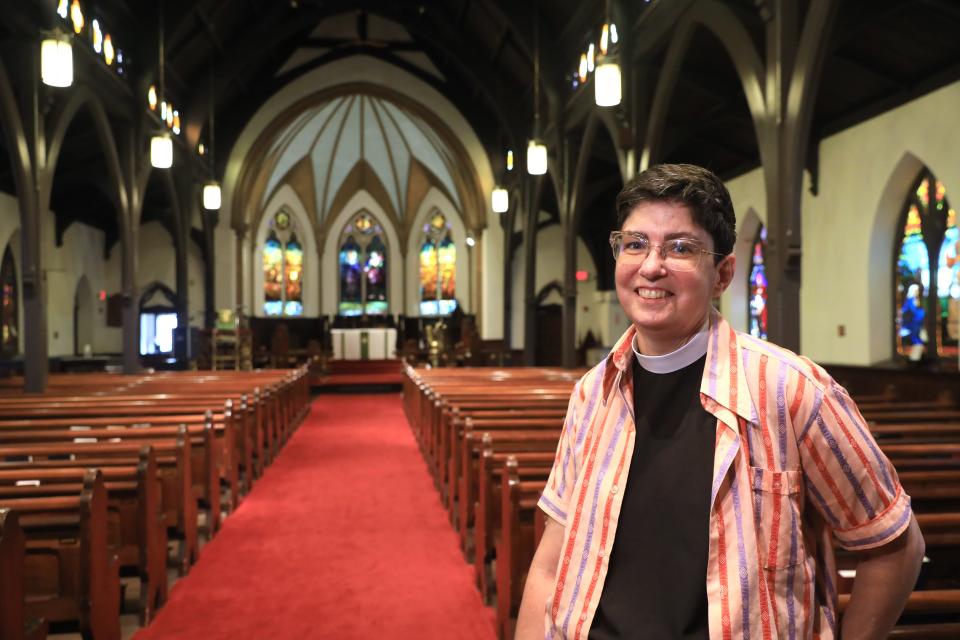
{"points": [[56, 60], [536, 150], [211, 190], [500, 200], [161, 144], [607, 81]]}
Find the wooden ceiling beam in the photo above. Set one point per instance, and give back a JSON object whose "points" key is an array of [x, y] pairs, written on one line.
{"points": [[946, 7], [870, 69]]}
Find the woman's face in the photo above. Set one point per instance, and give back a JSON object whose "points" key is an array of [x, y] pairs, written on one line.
{"points": [[668, 306]]}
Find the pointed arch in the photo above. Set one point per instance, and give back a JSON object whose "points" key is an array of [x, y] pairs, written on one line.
{"points": [[926, 289], [736, 299], [723, 23], [881, 256], [363, 263], [84, 97]]}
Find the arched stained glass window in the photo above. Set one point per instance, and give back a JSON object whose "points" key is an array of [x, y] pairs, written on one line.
{"points": [[273, 275], [9, 320], [351, 296], [438, 260], [363, 268], [375, 272], [757, 304], [927, 311], [948, 285], [293, 273], [428, 271], [282, 268]]}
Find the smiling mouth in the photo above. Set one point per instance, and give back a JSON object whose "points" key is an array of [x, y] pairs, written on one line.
{"points": [[652, 294]]}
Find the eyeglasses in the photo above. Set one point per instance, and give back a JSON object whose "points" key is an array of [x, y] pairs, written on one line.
{"points": [[679, 254]]}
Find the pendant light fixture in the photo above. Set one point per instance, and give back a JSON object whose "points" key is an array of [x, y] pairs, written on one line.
{"points": [[56, 60], [607, 79], [211, 190], [536, 150], [500, 200], [161, 144]]}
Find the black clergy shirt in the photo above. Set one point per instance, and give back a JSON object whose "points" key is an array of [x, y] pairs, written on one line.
{"points": [[656, 583]]}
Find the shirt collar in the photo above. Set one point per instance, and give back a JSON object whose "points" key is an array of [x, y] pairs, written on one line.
{"points": [[723, 388], [684, 356]]}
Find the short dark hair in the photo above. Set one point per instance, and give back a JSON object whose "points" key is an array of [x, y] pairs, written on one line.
{"points": [[699, 189]]}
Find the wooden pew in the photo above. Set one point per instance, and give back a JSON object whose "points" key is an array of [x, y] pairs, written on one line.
{"points": [[13, 621], [177, 502], [494, 466], [464, 450], [205, 468], [70, 575], [452, 426], [516, 547], [474, 444], [137, 533]]}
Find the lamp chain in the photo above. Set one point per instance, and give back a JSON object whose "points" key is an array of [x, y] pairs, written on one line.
{"points": [[213, 109], [536, 70], [163, 95]]}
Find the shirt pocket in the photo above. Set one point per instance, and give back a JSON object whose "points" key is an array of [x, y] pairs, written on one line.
{"points": [[776, 513]]}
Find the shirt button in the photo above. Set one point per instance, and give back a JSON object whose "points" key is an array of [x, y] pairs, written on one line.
{"points": [[614, 489], [600, 554], [583, 618]]}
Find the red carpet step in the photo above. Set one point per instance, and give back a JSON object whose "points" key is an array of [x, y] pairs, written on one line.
{"points": [[343, 537]]}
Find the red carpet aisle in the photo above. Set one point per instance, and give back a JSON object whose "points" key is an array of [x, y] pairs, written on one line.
{"points": [[344, 537]]}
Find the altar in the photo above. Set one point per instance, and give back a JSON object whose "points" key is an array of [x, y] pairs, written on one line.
{"points": [[364, 344]]}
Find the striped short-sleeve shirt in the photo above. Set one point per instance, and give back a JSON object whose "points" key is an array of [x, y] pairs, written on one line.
{"points": [[794, 468]]}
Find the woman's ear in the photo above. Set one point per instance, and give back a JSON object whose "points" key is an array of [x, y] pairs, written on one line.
{"points": [[725, 272]]}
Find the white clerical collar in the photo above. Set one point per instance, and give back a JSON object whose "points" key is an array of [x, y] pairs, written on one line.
{"points": [[686, 355]]}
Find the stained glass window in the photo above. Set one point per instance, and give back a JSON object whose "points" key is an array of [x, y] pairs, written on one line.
{"points": [[375, 272], [282, 269], [438, 260], [363, 268], [758, 286], [351, 287], [293, 268], [948, 285], [927, 313], [9, 322]]}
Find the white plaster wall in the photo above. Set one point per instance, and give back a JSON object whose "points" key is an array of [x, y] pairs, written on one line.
{"points": [[81, 255], [110, 339], [225, 274], [491, 285], [286, 196], [850, 229], [592, 305], [613, 321], [396, 265], [749, 196], [157, 257]]}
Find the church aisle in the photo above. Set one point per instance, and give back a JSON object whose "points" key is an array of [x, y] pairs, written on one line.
{"points": [[343, 537]]}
